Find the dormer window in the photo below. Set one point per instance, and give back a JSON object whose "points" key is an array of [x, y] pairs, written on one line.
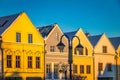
{"points": [[104, 49]]}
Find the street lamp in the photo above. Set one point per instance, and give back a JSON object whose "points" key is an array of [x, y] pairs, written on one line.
{"points": [[61, 46]]}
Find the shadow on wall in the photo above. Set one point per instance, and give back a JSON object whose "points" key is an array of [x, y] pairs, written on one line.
{"points": [[13, 76], [16, 76], [109, 73]]}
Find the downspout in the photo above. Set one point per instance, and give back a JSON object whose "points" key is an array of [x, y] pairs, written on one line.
{"points": [[44, 60], [116, 66], [2, 64], [93, 65]]}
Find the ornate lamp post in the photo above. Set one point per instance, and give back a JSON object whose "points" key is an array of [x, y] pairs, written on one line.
{"points": [[70, 57]]}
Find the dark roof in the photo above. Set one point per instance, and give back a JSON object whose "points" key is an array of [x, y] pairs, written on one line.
{"points": [[70, 34], [94, 39], [6, 21], [45, 30], [115, 41]]}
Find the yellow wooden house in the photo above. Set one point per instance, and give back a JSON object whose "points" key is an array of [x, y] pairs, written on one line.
{"points": [[22, 49], [83, 59]]}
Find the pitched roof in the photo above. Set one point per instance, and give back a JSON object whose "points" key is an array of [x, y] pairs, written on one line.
{"points": [[6, 21], [70, 34], [94, 39], [115, 41], [45, 30]]}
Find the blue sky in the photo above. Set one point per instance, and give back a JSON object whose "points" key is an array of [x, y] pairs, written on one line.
{"points": [[93, 16]]}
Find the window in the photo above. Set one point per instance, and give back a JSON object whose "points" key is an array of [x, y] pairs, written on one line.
{"points": [[52, 48], [29, 61], [48, 71], [56, 71], [18, 37], [9, 61], [17, 61], [81, 69], [104, 49], [88, 69], [100, 66], [86, 51], [37, 62], [75, 68], [109, 67], [29, 38]]}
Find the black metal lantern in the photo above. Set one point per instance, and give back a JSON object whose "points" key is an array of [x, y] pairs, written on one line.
{"points": [[60, 46], [79, 47]]}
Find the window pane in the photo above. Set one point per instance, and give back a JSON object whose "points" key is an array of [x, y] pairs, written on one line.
{"points": [[75, 68], [109, 67], [104, 49], [17, 61], [37, 62], [18, 37], [9, 61], [88, 69], [56, 71], [29, 38], [29, 61], [100, 66], [48, 71], [82, 69]]}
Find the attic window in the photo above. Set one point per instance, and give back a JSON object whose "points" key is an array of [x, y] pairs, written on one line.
{"points": [[1, 25], [104, 49]]}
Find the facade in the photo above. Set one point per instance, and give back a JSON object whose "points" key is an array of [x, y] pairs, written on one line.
{"points": [[22, 49], [104, 54], [116, 43], [82, 59], [56, 61]]}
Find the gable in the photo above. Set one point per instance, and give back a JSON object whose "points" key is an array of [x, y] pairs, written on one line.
{"points": [[24, 26], [104, 41], [83, 41], [53, 39]]}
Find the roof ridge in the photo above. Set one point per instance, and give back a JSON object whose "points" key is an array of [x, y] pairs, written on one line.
{"points": [[45, 26], [70, 31]]}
